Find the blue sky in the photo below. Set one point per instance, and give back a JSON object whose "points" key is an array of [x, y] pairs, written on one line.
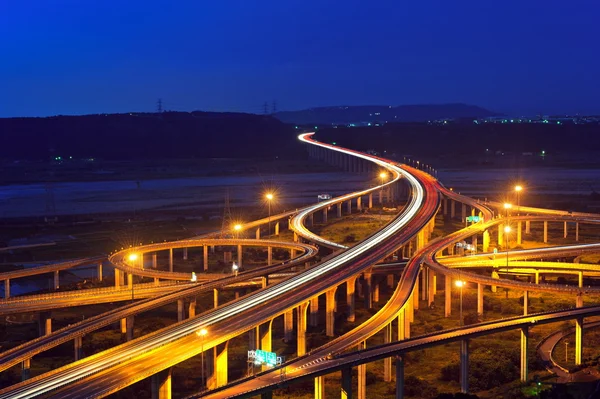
{"points": [[92, 56]]}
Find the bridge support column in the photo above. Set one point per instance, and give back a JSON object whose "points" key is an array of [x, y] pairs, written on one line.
{"points": [[56, 280], [390, 280], [239, 255], [463, 212], [130, 281], [301, 333], [215, 298], [448, 296], [565, 230], [375, 292], [362, 375], [349, 205], [464, 366], [399, 377], [117, 278], [381, 196], [496, 276], [501, 235], [26, 369], [537, 277], [180, 310], [359, 203], [525, 302], [519, 239], [524, 363], [320, 387], [257, 233], [580, 279], [127, 327], [474, 243], [154, 260], [401, 323], [330, 312], [78, 344], [578, 341], [99, 271], [313, 320], [269, 256], [217, 368], [486, 241], [370, 200], [452, 209], [430, 287], [346, 391], [205, 257], [7, 288], [288, 326], [185, 254], [579, 301], [479, 299], [577, 231], [161, 384], [325, 215], [170, 259], [368, 291], [265, 332], [254, 339], [192, 308], [445, 206], [527, 227], [545, 232], [416, 289], [350, 287], [45, 323], [339, 209], [387, 362]]}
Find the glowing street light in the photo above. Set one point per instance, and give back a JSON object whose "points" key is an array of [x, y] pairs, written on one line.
{"points": [[518, 189], [237, 228], [507, 206], [460, 284], [194, 277], [202, 333], [132, 257], [382, 176], [269, 197], [234, 269]]}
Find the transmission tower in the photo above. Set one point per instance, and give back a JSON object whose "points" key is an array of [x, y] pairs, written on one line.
{"points": [[159, 107], [227, 219], [274, 107], [266, 108]]}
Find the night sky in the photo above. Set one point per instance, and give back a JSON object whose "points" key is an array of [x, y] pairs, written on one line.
{"points": [[95, 56]]}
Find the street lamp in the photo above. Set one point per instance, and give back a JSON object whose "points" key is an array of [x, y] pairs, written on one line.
{"points": [[507, 206], [269, 197], [237, 228], [194, 277], [518, 189], [234, 269], [202, 333], [133, 257], [507, 231], [382, 176], [460, 284]]}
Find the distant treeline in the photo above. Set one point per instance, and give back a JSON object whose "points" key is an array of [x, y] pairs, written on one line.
{"points": [[143, 136], [467, 139]]}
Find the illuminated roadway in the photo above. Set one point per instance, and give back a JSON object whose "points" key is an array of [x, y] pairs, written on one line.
{"points": [[108, 371]]}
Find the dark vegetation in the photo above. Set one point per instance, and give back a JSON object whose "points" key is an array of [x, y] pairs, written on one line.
{"points": [[144, 136], [382, 113], [484, 144]]}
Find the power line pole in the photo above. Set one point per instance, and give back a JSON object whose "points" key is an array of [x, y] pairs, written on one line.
{"points": [[274, 106], [266, 108], [159, 107]]}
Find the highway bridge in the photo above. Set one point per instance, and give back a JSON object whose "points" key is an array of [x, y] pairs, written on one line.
{"points": [[153, 355]]}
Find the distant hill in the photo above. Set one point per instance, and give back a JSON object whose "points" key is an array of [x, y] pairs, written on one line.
{"points": [[147, 135], [344, 115]]}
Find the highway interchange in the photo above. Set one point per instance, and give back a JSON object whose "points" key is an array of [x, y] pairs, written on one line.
{"points": [[111, 370]]}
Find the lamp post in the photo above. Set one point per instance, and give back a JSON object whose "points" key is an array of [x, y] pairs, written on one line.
{"points": [[269, 197], [507, 231], [566, 353], [507, 207], [382, 176], [460, 284], [237, 228], [202, 333], [132, 258], [518, 189]]}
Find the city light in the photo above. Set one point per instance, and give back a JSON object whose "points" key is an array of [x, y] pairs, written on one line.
{"points": [[507, 229], [269, 196], [202, 332], [460, 283], [518, 188], [507, 205], [132, 257], [237, 227], [383, 175]]}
